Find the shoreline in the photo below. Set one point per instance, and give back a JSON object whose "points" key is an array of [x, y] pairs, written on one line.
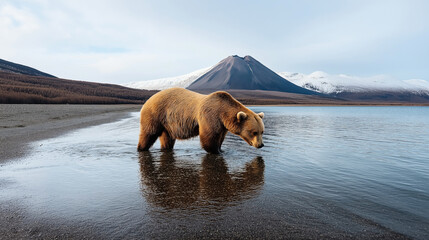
{"points": [[22, 124]]}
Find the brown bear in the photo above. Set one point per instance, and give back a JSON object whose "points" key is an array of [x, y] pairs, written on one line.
{"points": [[177, 113]]}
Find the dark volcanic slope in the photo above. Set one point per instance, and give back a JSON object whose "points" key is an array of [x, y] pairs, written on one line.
{"points": [[18, 88], [11, 67], [247, 73]]}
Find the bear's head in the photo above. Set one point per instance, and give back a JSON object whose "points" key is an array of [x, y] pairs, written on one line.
{"points": [[252, 128]]}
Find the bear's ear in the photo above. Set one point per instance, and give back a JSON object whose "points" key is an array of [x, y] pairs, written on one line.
{"points": [[241, 116], [261, 115]]}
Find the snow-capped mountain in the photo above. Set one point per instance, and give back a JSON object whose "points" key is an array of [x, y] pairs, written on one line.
{"points": [[317, 81], [244, 73], [164, 83], [334, 84]]}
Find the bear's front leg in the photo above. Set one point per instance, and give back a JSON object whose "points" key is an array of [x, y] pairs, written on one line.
{"points": [[212, 141], [146, 141]]}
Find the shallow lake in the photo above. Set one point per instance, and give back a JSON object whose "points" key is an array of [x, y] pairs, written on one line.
{"points": [[354, 172]]}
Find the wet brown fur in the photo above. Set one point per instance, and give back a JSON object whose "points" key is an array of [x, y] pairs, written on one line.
{"points": [[177, 113]]}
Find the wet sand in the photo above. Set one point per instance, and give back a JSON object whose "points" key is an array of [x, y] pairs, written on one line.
{"points": [[21, 124]]}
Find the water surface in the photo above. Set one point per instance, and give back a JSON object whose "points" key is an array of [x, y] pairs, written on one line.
{"points": [[355, 172]]}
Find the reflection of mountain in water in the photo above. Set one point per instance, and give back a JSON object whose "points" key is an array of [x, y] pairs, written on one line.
{"points": [[170, 185]]}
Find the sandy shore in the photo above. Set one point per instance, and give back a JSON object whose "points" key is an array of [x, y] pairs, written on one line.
{"points": [[21, 124]]}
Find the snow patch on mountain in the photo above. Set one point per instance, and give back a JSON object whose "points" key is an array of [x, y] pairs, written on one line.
{"points": [[164, 83], [328, 83], [317, 81]]}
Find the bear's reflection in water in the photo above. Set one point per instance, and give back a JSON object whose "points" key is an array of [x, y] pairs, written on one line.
{"points": [[169, 183]]}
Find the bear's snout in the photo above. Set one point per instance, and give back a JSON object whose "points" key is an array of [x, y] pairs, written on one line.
{"points": [[260, 145]]}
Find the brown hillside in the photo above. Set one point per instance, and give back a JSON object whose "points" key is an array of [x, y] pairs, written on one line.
{"points": [[18, 88]]}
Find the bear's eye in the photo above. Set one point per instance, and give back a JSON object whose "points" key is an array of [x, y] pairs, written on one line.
{"points": [[255, 133]]}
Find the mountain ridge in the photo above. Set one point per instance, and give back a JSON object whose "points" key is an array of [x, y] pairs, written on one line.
{"points": [[334, 84], [11, 67], [317, 81], [21, 87]]}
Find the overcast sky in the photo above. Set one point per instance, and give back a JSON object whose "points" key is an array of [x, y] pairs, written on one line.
{"points": [[125, 41]]}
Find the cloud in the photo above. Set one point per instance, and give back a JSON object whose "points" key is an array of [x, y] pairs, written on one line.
{"points": [[351, 34], [125, 41], [17, 24], [98, 40]]}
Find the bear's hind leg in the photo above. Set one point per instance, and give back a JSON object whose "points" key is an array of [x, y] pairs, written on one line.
{"points": [[167, 142], [146, 141]]}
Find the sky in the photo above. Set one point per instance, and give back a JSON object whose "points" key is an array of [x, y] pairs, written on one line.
{"points": [[124, 41]]}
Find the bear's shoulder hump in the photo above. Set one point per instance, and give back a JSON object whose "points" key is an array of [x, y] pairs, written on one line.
{"points": [[222, 94]]}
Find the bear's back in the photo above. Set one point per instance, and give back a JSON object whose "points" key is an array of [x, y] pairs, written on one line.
{"points": [[176, 109]]}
